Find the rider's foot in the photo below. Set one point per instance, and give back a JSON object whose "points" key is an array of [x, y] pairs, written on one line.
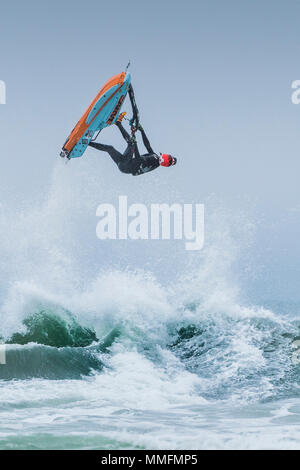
{"points": [[121, 117]]}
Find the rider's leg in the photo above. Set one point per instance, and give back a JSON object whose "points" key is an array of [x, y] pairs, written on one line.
{"points": [[130, 140], [123, 131], [115, 155]]}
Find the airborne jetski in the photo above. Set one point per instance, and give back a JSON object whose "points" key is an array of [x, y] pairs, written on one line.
{"points": [[102, 112]]}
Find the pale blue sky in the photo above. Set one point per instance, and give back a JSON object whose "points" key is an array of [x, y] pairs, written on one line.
{"points": [[213, 84]]}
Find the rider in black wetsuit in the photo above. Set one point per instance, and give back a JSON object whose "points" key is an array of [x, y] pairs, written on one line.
{"points": [[131, 161]]}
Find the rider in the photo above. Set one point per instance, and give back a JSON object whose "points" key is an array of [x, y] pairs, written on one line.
{"points": [[131, 161]]}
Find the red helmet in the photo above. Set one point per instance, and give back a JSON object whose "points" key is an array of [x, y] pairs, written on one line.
{"points": [[167, 160]]}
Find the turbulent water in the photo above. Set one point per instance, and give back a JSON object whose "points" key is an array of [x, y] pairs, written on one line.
{"points": [[103, 354]]}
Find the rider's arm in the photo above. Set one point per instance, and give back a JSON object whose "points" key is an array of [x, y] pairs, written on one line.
{"points": [[146, 141]]}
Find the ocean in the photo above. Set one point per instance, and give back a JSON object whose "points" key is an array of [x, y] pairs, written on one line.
{"points": [[103, 350]]}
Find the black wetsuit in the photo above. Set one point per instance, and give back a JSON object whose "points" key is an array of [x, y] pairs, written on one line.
{"points": [[131, 161]]}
